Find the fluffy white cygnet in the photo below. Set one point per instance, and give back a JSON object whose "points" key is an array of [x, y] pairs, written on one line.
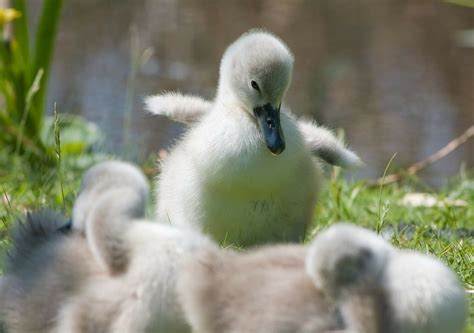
{"points": [[245, 171], [111, 272], [118, 191], [383, 289]]}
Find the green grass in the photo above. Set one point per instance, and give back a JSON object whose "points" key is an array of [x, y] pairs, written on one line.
{"points": [[27, 186], [443, 231]]}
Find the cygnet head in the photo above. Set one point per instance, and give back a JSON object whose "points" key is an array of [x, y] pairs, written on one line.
{"points": [[255, 73], [346, 257], [102, 178]]}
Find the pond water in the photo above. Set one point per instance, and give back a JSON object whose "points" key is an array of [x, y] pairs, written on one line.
{"points": [[389, 73]]}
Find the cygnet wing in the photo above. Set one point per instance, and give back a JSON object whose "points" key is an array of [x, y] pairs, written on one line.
{"points": [[186, 109]]}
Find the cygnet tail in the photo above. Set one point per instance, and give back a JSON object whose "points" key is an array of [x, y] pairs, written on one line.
{"points": [[186, 109], [30, 234], [32, 251], [323, 143]]}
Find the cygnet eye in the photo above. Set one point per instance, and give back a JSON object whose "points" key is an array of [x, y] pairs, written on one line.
{"points": [[254, 85]]}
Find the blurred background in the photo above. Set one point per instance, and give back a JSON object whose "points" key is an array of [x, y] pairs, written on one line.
{"points": [[396, 76]]}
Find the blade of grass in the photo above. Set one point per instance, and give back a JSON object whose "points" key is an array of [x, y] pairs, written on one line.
{"points": [[7, 203], [383, 213], [57, 147]]}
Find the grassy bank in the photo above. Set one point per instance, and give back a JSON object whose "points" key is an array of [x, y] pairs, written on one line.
{"points": [[444, 230]]}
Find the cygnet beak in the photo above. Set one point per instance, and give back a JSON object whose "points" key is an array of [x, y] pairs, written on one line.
{"points": [[268, 119]]}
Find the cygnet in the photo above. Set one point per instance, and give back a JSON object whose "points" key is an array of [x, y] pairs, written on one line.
{"points": [[245, 171]]}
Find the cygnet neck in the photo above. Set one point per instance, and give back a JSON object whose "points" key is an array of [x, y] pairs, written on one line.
{"points": [[228, 99]]}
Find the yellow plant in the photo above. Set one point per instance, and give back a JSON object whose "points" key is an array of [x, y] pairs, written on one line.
{"points": [[7, 15]]}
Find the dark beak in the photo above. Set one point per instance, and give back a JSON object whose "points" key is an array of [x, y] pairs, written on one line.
{"points": [[268, 119]]}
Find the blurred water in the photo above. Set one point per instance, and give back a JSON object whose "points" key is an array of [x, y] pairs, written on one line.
{"points": [[387, 72]]}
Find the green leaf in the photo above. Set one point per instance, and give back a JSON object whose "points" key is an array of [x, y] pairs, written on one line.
{"points": [[43, 53], [35, 87], [21, 33]]}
